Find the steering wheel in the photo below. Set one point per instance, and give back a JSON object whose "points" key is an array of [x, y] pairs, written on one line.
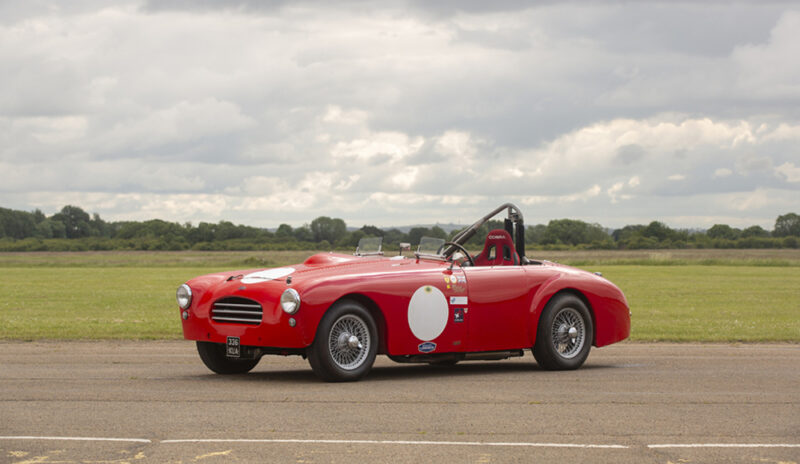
{"points": [[461, 249]]}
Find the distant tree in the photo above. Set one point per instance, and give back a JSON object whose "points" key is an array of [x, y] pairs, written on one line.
{"points": [[303, 234], [204, 232], [786, 225], [75, 220], [325, 228], [573, 232], [754, 231], [535, 234], [371, 231], [38, 216], [627, 232], [394, 236], [657, 230], [416, 233], [16, 224], [723, 231], [437, 232], [284, 231]]}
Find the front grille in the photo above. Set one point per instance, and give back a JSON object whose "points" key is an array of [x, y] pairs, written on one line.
{"points": [[236, 310]]}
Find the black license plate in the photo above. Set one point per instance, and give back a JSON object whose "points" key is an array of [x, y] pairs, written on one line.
{"points": [[234, 349]]}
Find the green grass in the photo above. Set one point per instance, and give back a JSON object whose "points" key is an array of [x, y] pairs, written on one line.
{"points": [[711, 303], [131, 295], [91, 303], [242, 259]]}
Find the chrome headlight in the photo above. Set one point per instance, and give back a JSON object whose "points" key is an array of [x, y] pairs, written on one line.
{"points": [[184, 296], [290, 301]]}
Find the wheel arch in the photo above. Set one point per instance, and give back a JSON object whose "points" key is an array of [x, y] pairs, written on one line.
{"points": [[545, 300], [374, 311]]}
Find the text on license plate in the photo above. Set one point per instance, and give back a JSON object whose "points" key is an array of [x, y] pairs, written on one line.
{"points": [[234, 349]]}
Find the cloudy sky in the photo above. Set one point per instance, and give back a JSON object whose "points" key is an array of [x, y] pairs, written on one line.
{"points": [[402, 112]]}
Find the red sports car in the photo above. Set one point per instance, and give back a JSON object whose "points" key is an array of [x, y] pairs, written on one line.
{"points": [[440, 307]]}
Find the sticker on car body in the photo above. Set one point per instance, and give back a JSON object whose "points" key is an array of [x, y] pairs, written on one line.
{"points": [[426, 347], [459, 300]]}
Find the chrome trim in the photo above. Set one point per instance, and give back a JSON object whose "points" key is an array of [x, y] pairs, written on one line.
{"points": [[239, 305], [189, 296], [290, 295], [233, 319], [235, 309]]}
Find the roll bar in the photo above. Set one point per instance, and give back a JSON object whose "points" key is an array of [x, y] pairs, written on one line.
{"points": [[514, 218]]}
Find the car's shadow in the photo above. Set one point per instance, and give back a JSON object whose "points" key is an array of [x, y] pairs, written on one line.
{"points": [[401, 371]]}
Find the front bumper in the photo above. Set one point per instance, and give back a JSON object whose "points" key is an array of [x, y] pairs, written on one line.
{"points": [[274, 330]]}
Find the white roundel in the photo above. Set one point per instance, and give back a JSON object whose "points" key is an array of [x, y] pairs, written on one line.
{"points": [[427, 313], [269, 274]]}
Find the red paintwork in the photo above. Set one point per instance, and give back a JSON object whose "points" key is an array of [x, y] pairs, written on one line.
{"points": [[504, 302]]}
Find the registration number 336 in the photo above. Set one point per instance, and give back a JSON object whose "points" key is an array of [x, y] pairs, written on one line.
{"points": [[234, 349]]}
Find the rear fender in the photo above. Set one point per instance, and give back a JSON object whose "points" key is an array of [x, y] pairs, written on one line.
{"points": [[553, 287], [606, 304]]}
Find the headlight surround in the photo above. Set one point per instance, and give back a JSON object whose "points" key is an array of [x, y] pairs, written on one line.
{"points": [[184, 296], [290, 301]]}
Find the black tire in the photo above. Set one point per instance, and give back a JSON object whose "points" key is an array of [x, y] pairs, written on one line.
{"points": [[213, 356], [556, 347], [335, 356]]}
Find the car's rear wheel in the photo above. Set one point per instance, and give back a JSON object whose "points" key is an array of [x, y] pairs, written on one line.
{"points": [[565, 332], [213, 356], [346, 343]]}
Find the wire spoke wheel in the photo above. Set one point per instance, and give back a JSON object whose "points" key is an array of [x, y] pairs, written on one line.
{"points": [[349, 342], [565, 334], [346, 343], [568, 332]]}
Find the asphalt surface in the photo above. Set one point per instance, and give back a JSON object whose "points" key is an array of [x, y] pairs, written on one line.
{"points": [[63, 401]]}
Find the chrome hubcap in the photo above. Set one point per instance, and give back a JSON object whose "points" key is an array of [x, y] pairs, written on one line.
{"points": [[349, 342], [569, 333]]}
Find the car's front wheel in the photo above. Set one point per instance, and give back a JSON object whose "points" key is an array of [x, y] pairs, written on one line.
{"points": [[565, 334], [346, 343], [213, 356]]}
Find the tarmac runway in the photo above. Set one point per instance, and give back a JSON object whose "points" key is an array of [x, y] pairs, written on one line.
{"points": [[156, 402]]}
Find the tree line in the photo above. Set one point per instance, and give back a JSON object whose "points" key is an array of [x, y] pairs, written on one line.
{"points": [[73, 229]]}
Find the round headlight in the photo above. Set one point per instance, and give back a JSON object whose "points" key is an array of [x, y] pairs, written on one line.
{"points": [[184, 296], [290, 301]]}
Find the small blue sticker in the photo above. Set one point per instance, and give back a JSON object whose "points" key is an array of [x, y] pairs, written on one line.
{"points": [[426, 347]]}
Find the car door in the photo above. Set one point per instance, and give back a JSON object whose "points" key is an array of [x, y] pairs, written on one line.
{"points": [[497, 308]]}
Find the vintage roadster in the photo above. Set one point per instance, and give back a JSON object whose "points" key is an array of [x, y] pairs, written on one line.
{"points": [[441, 306]]}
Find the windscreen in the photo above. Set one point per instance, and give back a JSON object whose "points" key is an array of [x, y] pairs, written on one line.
{"points": [[430, 246], [369, 246]]}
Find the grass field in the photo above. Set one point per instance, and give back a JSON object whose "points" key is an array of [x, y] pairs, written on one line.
{"points": [[706, 295]]}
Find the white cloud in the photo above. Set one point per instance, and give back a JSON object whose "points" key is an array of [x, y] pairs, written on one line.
{"points": [[583, 196], [722, 172], [392, 145], [264, 115], [405, 179], [789, 171]]}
